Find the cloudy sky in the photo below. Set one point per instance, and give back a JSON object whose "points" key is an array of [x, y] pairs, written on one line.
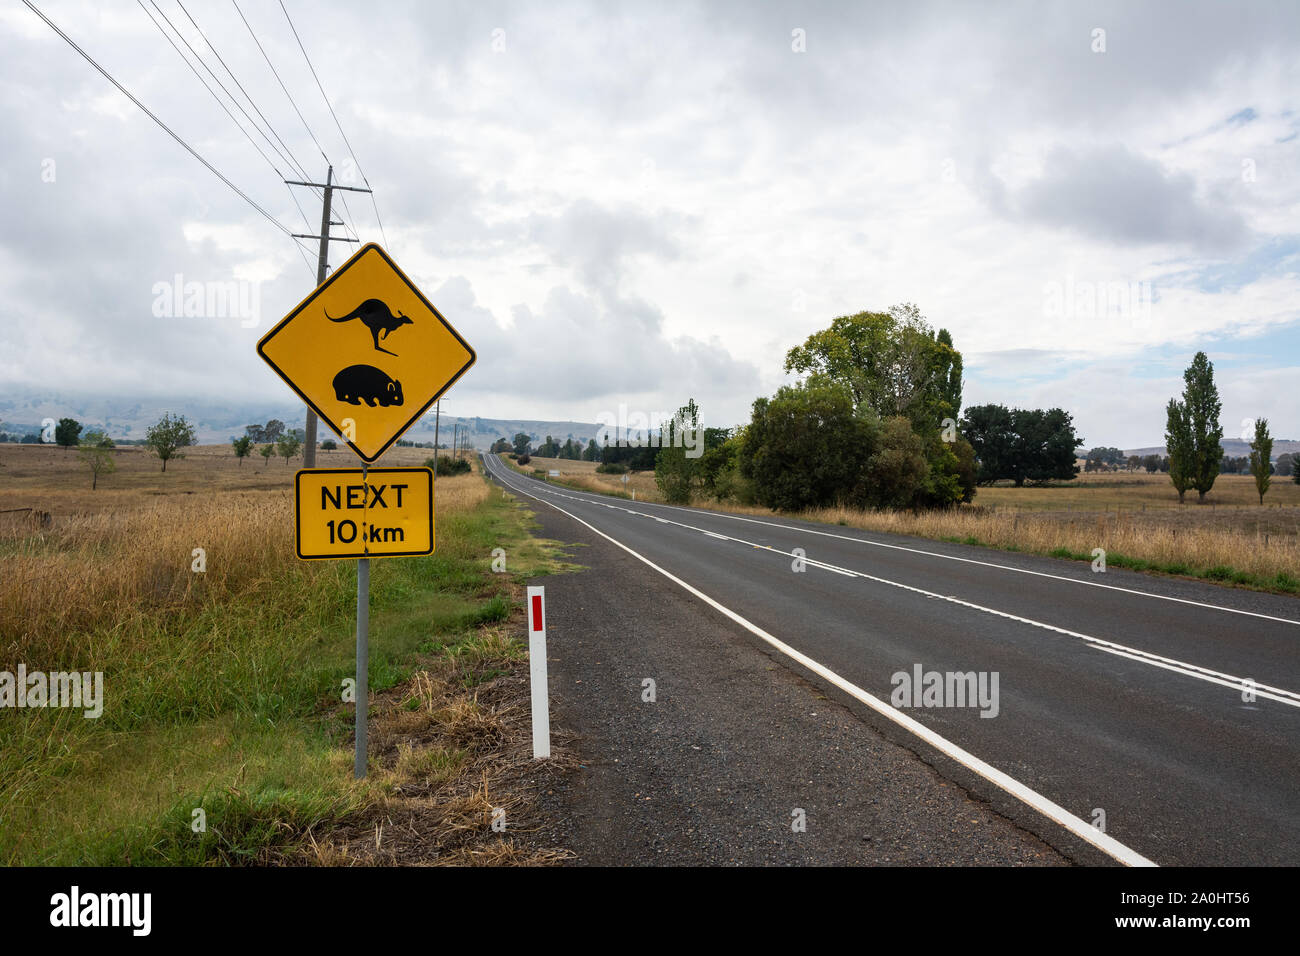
{"points": [[637, 202]]}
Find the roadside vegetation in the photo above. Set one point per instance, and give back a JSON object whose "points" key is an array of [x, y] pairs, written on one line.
{"points": [[872, 438], [223, 687]]}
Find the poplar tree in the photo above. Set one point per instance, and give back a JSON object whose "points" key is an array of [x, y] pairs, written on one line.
{"points": [[1178, 445], [1200, 452], [1261, 450]]}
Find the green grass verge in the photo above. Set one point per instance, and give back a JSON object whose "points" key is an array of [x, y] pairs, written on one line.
{"points": [[241, 718]]}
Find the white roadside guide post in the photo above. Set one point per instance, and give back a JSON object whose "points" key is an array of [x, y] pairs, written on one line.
{"points": [[537, 673]]}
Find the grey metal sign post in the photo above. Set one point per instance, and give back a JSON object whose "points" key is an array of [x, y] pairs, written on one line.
{"points": [[363, 657]]}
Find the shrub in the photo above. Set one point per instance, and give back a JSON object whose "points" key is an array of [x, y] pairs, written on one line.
{"points": [[806, 446], [523, 459], [730, 485], [450, 466], [612, 468]]}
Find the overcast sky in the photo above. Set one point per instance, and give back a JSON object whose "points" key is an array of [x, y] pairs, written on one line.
{"points": [[636, 203]]}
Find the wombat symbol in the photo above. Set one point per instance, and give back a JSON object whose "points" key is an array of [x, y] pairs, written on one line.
{"points": [[375, 315], [358, 383]]}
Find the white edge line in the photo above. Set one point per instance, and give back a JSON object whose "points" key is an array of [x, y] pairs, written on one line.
{"points": [[1053, 811]]}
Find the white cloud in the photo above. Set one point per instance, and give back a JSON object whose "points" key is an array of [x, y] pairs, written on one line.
{"points": [[582, 203]]}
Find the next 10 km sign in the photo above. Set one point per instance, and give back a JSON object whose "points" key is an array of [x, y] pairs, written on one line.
{"points": [[386, 514]]}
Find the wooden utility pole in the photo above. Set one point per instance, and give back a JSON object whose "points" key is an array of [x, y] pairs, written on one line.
{"points": [[322, 266], [437, 418]]}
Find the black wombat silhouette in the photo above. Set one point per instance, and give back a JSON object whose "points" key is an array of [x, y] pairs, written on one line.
{"points": [[376, 316], [358, 383]]}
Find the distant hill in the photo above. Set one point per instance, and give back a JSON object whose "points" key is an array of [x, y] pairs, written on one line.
{"points": [[1232, 447], [221, 421]]}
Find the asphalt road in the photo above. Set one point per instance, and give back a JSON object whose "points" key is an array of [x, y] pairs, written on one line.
{"points": [[1119, 696]]}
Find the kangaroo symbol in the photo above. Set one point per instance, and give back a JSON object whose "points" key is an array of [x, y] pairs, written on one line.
{"points": [[375, 315]]}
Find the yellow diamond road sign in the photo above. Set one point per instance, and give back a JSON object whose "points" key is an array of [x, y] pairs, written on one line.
{"points": [[367, 351]]}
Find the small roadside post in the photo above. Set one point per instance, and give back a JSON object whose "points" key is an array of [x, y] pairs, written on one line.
{"points": [[537, 672], [369, 355]]}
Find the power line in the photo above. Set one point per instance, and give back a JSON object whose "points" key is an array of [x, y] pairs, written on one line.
{"points": [[170, 132], [351, 152], [206, 86], [222, 61], [281, 82], [294, 104], [302, 251], [290, 158], [239, 106]]}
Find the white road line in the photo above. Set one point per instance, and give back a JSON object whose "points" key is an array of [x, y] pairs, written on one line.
{"points": [[1053, 811], [1132, 653], [1236, 685], [953, 557]]}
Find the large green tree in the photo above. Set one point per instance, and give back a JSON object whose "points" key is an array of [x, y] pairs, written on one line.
{"points": [[1178, 445], [1204, 453], [891, 362], [1261, 451], [893, 365], [991, 430], [1045, 445], [1023, 444], [808, 445]]}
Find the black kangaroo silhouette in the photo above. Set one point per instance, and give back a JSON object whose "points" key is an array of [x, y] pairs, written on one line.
{"points": [[376, 316]]}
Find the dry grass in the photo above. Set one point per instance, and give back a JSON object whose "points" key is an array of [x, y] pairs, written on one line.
{"points": [[449, 767], [120, 558], [1136, 491], [1132, 535]]}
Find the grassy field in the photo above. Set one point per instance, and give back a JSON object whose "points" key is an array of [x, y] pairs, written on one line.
{"points": [[223, 690], [1134, 517]]}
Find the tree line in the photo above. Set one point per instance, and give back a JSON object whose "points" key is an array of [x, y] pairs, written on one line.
{"points": [[571, 450], [165, 439], [874, 424]]}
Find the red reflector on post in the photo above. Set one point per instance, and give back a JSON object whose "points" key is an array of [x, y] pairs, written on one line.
{"points": [[537, 612]]}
